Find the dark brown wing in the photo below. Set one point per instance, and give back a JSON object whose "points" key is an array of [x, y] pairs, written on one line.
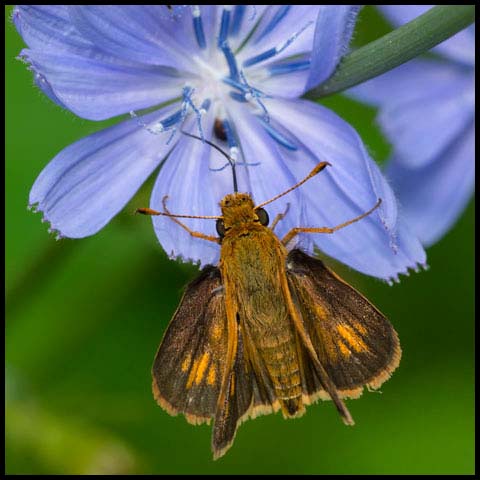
{"points": [[191, 361], [354, 342], [189, 365]]}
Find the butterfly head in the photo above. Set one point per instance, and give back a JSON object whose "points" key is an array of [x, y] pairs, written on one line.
{"points": [[238, 209]]}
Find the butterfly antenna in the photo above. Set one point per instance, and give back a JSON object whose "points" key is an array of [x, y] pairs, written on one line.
{"points": [[231, 161], [316, 170]]}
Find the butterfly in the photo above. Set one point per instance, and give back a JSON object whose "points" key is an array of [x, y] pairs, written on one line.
{"points": [[267, 329]]}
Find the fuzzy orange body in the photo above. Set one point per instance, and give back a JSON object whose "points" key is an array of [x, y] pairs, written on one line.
{"points": [[252, 266]]}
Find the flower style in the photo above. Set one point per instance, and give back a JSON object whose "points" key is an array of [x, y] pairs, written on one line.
{"points": [[427, 109], [240, 68]]}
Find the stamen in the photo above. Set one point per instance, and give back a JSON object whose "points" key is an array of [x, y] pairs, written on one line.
{"points": [[277, 18], [224, 24], [249, 93], [244, 87], [276, 50], [232, 143], [238, 15], [205, 105], [187, 95], [176, 118], [289, 67], [232, 63], [162, 125], [198, 27], [256, 94], [234, 154], [236, 163], [239, 97], [277, 136]]}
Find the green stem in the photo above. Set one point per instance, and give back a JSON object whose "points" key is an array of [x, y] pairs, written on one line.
{"points": [[397, 47]]}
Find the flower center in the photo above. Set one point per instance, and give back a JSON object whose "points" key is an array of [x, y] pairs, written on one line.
{"points": [[219, 78]]}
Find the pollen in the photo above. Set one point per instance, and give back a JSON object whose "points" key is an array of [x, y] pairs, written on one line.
{"points": [[353, 340]]}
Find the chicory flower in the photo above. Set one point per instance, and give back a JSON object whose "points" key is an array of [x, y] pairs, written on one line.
{"points": [[242, 68], [426, 110]]}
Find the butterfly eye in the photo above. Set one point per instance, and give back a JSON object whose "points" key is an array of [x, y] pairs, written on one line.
{"points": [[262, 216], [220, 228]]}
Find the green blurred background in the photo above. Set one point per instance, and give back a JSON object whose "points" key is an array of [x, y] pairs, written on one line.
{"points": [[85, 317]]}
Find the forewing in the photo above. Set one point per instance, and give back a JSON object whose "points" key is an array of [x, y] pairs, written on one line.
{"points": [[190, 362], [354, 342]]}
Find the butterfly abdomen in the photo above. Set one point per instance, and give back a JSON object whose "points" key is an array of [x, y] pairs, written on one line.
{"points": [[280, 358]]}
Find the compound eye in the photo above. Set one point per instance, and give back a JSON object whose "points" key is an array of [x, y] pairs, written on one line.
{"points": [[262, 216], [220, 228]]}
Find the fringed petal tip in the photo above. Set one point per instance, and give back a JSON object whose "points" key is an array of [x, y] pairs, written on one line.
{"points": [[14, 17], [419, 267], [350, 21], [197, 262], [23, 57], [392, 235], [34, 208]]}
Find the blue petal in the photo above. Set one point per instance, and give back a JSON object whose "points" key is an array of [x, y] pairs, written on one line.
{"points": [[378, 245], [433, 197], [333, 31], [48, 28], [142, 33], [432, 105], [460, 47], [97, 89], [90, 181]]}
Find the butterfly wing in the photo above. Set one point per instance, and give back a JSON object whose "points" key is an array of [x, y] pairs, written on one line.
{"points": [[188, 367], [354, 342], [190, 364]]}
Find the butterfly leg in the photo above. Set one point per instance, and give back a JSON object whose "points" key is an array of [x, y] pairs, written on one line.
{"points": [[280, 216], [295, 231], [193, 233]]}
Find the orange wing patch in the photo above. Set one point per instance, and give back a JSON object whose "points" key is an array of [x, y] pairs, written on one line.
{"points": [[202, 367], [352, 339], [211, 375], [344, 349], [186, 362]]}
